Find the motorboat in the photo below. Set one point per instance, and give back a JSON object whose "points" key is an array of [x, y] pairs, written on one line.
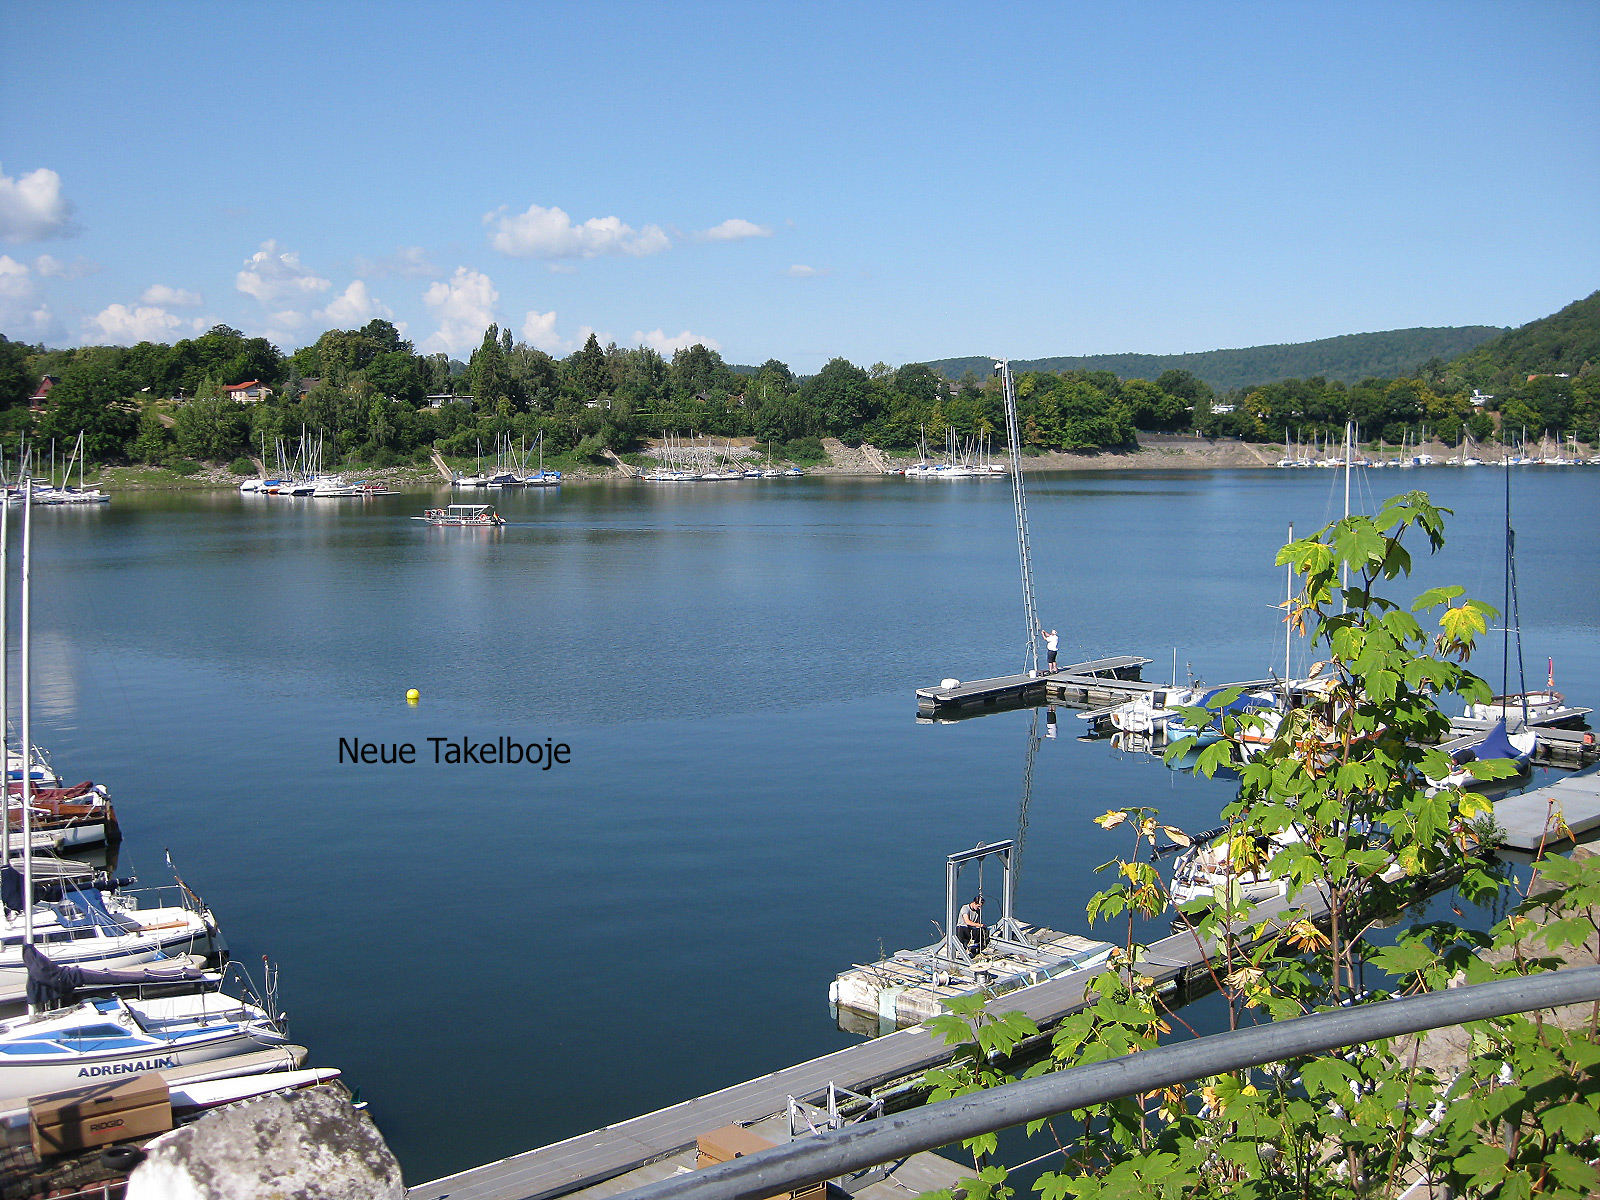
{"points": [[65, 818], [1248, 704], [462, 514], [333, 486], [1152, 711], [41, 772]]}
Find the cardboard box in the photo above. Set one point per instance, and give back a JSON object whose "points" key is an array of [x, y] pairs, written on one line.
{"points": [[66, 1122], [735, 1141]]}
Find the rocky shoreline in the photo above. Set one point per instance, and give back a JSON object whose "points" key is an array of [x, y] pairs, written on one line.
{"points": [[1156, 452]]}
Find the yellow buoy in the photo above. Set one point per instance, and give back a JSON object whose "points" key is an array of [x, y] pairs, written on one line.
{"points": [[413, 696]]}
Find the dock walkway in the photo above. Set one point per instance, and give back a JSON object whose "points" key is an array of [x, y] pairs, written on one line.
{"points": [[1120, 674], [1532, 821], [591, 1158]]}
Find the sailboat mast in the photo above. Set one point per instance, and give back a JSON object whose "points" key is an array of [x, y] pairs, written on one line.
{"points": [[27, 724], [1288, 623], [5, 688], [1344, 572]]}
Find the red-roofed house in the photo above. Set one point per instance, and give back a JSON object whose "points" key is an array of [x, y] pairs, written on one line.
{"points": [[249, 392], [42, 392]]}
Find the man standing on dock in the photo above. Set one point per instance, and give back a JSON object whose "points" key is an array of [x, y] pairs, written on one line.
{"points": [[1051, 645]]}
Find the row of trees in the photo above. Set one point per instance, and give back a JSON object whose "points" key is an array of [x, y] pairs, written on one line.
{"points": [[370, 391]]}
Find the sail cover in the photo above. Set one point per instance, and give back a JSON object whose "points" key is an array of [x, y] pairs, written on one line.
{"points": [[51, 983]]}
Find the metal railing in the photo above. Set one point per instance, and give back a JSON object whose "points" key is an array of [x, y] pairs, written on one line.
{"points": [[810, 1160]]}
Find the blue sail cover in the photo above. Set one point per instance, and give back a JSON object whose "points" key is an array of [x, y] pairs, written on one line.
{"points": [[92, 905], [1496, 744]]}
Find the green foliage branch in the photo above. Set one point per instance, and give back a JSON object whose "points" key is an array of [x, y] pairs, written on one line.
{"points": [[1334, 807]]}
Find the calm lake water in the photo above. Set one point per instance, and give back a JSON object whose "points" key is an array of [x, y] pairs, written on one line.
{"points": [[500, 956]]}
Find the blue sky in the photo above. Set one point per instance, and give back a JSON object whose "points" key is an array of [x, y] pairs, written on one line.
{"points": [[884, 182]]}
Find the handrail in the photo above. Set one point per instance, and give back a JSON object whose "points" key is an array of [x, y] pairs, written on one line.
{"points": [[812, 1159]]}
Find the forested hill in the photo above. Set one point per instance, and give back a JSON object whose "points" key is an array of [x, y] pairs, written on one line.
{"points": [[1562, 343], [1348, 359]]}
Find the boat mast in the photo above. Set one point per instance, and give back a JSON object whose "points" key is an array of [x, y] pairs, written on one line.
{"points": [[1514, 622], [27, 726], [1019, 503], [1288, 626], [5, 666]]}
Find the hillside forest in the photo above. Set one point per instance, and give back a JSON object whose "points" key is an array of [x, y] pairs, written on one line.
{"points": [[379, 403]]}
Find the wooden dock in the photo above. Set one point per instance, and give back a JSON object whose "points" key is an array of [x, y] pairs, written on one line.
{"points": [[1533, 820], [1110, 677]]}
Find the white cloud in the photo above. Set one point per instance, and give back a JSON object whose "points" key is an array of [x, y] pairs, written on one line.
{"points": [[22, 314], [664, 345], [32, 207], [550, 233], [123, 326], [276, 277], [801, 271], [408, 262], [464, 308], [355, 306], [162, 296], [734, 229], [539, 331], [559, 268], [52, 267]]}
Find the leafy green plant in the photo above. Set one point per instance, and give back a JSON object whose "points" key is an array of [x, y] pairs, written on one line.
{"points": [[1335, 811]]}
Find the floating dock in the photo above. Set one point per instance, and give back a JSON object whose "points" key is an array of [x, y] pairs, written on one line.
{"points": [[890, 1066], [1107, 677], [910, 1177], [1550, 818], [883, 1067]]}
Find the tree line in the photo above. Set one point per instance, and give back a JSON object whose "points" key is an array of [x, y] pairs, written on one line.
{"points": [[380, 403]]}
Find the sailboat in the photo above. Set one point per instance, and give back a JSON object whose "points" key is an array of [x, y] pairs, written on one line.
{"points": [[1522, 708], [543, 478]]}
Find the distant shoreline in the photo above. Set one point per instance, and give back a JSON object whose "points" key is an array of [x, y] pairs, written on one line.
{"points": [[1156, 452]]}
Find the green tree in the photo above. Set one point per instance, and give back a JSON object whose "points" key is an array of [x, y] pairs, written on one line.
{"points": [[1335, 806], [491, 382], [214, 430], [153, 443], [93, 399], [16, 380]]}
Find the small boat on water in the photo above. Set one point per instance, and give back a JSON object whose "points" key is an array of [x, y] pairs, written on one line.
{"points": [[1152, 711], [462, 514]]}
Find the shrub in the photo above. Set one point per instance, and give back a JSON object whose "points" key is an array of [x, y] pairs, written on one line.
{"points": [[242, 466]]}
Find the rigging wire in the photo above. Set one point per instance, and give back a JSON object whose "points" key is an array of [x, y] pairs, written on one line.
{"points": [[1019, 503]]}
